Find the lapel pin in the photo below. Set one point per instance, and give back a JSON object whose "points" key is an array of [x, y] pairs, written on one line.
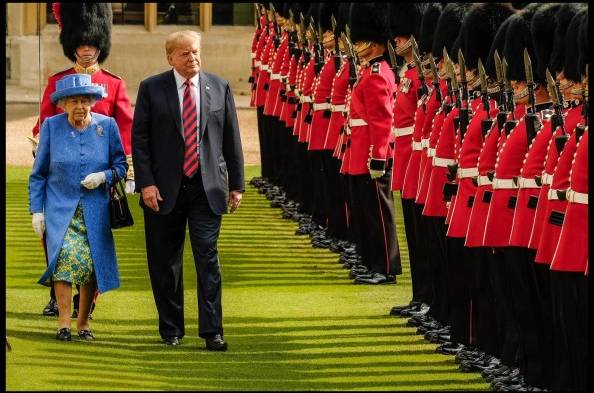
{"points": [[99, 130]]}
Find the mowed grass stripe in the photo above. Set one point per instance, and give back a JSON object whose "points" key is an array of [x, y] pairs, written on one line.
{"points": [[292, 318]]}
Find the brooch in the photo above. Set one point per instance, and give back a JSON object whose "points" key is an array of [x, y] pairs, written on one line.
{"points": [[99, 130]]}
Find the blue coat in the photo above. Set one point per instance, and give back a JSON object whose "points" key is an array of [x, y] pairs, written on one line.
{"points": [[64, 158]]}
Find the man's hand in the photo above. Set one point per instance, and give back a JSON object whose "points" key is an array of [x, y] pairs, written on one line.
{"points": [[130, 185], [93, 180], [234, 200], [151, 197], [375, 174], [39, 224]]}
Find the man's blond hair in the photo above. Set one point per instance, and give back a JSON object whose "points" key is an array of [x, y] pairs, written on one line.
{"points": [[174, 38]]}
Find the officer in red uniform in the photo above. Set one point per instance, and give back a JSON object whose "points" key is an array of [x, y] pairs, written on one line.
{"points": [[369, 166], [88, 46]]}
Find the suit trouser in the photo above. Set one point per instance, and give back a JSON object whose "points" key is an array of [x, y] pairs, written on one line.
{"points": [[458, 283], [487, 328], [334, 198], [437, 249], [165, 235], [570, 307], [373, 204]]}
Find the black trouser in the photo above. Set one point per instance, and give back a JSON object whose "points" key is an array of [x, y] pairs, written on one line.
{"points": [[293, 166], [421, 269], [545, 326], [569, 292], [487, 326], [165, 235], [459, 285], [319, 190], [305, 179], [262, 139], [437, 250], [335, 198], [352, 227], [373, 205]]}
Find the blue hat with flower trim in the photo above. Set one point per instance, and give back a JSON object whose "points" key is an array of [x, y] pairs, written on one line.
{"points": [[77, 85]]}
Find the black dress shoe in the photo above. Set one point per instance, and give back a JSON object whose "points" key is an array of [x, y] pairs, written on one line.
{"points": [[63, 335], [376, 279], [173, 340], [216, 343], [51, 309], [449, 348], [85, 334]]}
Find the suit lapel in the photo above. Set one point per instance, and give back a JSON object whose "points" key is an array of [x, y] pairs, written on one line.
{"points": [[204, 102], [173, 101]]}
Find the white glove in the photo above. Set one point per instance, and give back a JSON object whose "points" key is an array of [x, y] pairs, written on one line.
{"points": [[39, 224], [93, 180], [130, 185], [376, 174]]}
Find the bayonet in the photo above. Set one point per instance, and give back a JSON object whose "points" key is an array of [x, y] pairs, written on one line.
{"points": [[488, 122], [393, 61], [557, 118], [351, 56], [415, 52], [533, 122], [509, 93], [464, 111], [333, 23], [463, 81], [435, 78]]}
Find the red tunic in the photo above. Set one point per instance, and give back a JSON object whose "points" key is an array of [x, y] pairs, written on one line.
{"points": [[116, 104], [321, 95], [308, 79], [436, 125], [549, 236], [256, 41], [263, 83], [291, 104], [276, 61], [372, 100], [552, 157], [411, 177], [571, 254], [405, 107], [283, 75], [338, 94]]}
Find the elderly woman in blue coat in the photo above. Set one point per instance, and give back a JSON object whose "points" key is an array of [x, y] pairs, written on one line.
{"points": [[79, 154]]}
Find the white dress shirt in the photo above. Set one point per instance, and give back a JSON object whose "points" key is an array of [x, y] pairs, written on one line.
{"points": [[181, 88]]}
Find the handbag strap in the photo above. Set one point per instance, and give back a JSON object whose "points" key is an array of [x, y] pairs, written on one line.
{"points": [[116, 185]]}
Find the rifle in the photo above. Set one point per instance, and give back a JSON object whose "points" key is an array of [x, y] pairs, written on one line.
{"points": [[435, 79], [447, 106], [488, 122], [393, 61], [509, 98], [502, 103], [318, 61], [352, 57], [533, 123], [277, 29], [337, 59], [557, 118], [304, 41], [423, 91], [464, 110], [585, 97]]}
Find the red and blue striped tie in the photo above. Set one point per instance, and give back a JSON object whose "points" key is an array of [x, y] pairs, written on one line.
{"points": [[190, 123]]}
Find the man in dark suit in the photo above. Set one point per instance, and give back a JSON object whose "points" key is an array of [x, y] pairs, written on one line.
{"points": [[188, 164]]}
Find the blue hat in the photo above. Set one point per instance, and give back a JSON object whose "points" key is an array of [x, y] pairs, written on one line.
{"points": [[77, 85]]}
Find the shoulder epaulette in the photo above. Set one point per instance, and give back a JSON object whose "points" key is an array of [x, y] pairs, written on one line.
{"points": [[62, 72], [375, 68], [109, 73]]}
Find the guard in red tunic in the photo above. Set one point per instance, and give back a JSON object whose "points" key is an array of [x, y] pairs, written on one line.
{"points": [[369, 153], [88, 46]]}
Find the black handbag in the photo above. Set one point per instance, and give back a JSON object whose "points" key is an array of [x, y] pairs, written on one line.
{"points": [[120, 212]]}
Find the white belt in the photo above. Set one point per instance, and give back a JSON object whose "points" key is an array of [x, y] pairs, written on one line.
{"points": [[417, 146], [443, 162], [577, 197], [504, 184], [253, 55], [304, 99], [287, 87], [431, 152], [552, 195], [275, 77], [546, 179], [321, 106], [264, 67], [297, 94], [524, 182], [484, 180], [337, 108], [257, 63], [424, 142], [347, 130], [357, 122], [397, 132], [464, 173]]}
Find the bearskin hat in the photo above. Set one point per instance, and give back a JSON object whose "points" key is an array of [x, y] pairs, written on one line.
{"points": [[342, 16], [448, 27], [278, 7], [84, 23], [368, 22], [497, 45], [564, 15], [583, 46], [404, 19], [518, 37], [325, 11], [478, 30], [428, 23], [297, 9], [571, 68], [543, 34], [285, 10]]}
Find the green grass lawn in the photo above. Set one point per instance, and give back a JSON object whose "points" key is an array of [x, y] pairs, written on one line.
{"points": [[292, 319]]}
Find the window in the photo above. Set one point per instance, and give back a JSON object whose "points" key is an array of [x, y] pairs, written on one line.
{"points": [[234, 14], [128, 13], [178, 14]]}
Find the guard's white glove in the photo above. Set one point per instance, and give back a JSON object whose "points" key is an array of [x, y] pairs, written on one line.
{"points": [[130, 185], [39, 224], [93, 180], [376, 174]]}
